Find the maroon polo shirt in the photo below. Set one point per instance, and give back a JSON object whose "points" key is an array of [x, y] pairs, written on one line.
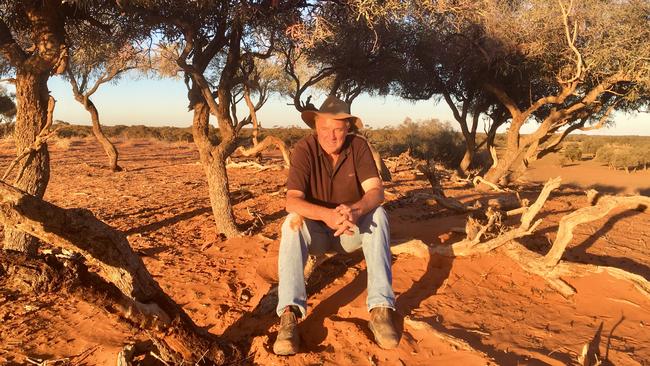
{"points": [[323, 184]]}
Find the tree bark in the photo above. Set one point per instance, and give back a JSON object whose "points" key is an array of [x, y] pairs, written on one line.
{"points": [[32, 100], [213, 160], [140, 297], [33, 67], [470, 151]]}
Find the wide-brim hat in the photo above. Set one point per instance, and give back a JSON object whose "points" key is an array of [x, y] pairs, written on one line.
{"points": [[333, 108]]}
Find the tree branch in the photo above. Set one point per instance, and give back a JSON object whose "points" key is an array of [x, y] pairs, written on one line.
{"points": [[9, 47]]}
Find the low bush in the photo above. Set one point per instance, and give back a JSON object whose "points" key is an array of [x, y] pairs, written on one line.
{"points": [[572, 152], [429, 139]]}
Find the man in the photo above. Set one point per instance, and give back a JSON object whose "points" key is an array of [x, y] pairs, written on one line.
{"points": [[334, 195]]}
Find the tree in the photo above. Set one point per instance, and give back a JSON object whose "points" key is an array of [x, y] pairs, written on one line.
{"points": [[34, 45], [97, 59], [564, 65], [454, 76], [341, 54], [217, 37], [262, 77], [572, 152]]}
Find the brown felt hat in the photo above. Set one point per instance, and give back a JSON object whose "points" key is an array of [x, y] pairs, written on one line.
{"points": [[333, 108]]}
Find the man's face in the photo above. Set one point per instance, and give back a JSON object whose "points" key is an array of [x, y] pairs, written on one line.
{"points": [[331, 133]]}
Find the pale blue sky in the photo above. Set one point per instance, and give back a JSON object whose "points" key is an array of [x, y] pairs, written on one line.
{"points": [[163, 102]]}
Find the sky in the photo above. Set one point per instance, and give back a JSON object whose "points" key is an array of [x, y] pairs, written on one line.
{"points": [[163, 102]]}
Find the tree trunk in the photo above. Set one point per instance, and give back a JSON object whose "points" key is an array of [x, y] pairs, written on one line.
{"points": [[31, 115], [107, 145], [470, 150], [213, 160], [384, 173], [501, 173], [220, 196]]}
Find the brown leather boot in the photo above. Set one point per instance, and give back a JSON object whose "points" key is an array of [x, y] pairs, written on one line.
{"points": [[381, 325], [288, 340]]}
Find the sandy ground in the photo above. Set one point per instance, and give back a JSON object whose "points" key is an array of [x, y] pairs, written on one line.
{"points": [[589, 173], [511, 317]]}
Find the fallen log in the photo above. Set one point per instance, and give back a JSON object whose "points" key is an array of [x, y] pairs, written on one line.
{"points": [[557, 275], [549, 267], [266, 143]]}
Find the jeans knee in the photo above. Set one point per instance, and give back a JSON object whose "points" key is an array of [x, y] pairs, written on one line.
{"points": [[380, 217], [292, 223], [380, 213]]}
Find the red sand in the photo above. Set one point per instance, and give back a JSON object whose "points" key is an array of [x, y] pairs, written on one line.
{"points": [[513, 317]]}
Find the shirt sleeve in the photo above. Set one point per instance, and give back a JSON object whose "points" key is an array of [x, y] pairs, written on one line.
{"points": [[365, 163], [299, 169]]}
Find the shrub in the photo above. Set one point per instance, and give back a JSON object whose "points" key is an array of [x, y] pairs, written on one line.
{"points": [[428, 139], [572, 152], [621, 156], [591, 145]]}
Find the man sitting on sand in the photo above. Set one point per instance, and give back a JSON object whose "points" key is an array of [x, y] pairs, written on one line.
{"points": [[334, 195]]}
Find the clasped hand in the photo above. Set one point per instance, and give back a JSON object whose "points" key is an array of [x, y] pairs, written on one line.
{"points": [[343, 219]]}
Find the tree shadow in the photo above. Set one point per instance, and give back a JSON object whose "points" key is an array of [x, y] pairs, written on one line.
{"points": [[236, 197], [644, 191], [152, 252], [167, 221], [328, 307], [253, 225], [437, 271]]}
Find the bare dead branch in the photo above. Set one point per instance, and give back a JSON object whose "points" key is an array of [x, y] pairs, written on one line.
{"points": [[480, 180], [571, 38], [268, 142], [438, 193], [472, 246], [587, 214]]}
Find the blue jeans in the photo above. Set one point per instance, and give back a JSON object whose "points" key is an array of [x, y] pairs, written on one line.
{"points": [[314, 237]]}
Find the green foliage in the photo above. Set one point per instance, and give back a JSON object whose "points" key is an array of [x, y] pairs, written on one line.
{"points": [[591, 145], [290, 135], [624, 157], [572, 152], [428, 139]]}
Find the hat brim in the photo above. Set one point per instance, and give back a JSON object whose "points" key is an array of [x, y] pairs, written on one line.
{"points": [[309, 117]]}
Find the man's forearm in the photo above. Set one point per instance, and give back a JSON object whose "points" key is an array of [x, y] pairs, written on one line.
{"points": [[370, 200], [306, 209]]}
